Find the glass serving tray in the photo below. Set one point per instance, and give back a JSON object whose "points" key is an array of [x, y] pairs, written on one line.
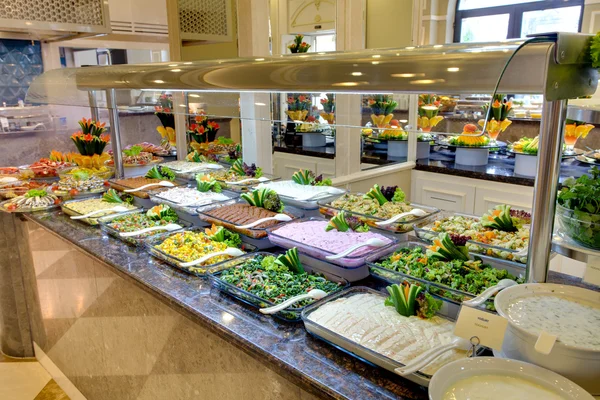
{"points": [[199, 270], [445, 292], [400, 226], [93, 220], [351, 347], [144, 193], [12, 189], [109, 173], [188, 208], [321, 254], [245, 186], [133, 240], [188, 169], [289, 314], [308, 190], [254, 233], [426, 232], [26, 209]]}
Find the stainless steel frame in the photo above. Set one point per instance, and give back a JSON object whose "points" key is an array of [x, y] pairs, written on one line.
{"points": [[551, 64], [115, 132]]}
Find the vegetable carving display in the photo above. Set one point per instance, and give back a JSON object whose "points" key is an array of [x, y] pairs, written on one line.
{"points": [[444, 248], [206, 183], [298, 106], [299, 45], [328, 113], [382, 106], [162, 212], [163, 173], [344, 223], [91, 139], [409, 299], [500, 218], [307, 177], [470, 136], [429, 107], [291, 261], [573, 131], [203, 130], [497, 121], [385, 194], [264, 198], [240, 168]]}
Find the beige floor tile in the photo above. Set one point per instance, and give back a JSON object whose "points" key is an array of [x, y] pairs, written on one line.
{"points": [[51, 392], [22, 381]]}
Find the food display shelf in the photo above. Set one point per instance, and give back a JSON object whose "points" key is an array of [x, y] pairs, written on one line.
{"points": [[348, 261], [453, 297], [134, 240], [93, 220], [401, 226], [351, 347], [200, 270], [290, 314], [192, 209]]}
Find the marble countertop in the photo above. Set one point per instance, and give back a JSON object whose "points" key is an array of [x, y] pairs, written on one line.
{"points": [[287, 348]]}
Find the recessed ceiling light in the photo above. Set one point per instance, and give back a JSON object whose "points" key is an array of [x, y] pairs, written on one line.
{"points": [[356, 73], [176, 70], [453, 69], [403, 75], [376, 56], [346, 84], [194, 95], [374, 62], [158, 81]]}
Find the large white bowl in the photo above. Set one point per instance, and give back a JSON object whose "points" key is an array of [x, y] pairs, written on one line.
{"points": [[458, 370], [581, 365]]}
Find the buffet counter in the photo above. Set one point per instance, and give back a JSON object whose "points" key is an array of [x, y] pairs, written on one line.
{"points": [[121, 324], [111, 319]]}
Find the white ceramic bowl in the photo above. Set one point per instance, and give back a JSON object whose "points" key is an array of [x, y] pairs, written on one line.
{"points": [[579, 364], [458, 370]]}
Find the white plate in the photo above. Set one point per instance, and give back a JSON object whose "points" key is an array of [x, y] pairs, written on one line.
{"points": [[458, 370]]}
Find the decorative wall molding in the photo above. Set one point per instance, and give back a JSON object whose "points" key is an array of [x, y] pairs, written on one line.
{"points": [[434, 17]]}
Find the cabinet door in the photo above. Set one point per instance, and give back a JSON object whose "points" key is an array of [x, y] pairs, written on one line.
{"points": [[519, 197], [445, 195]]}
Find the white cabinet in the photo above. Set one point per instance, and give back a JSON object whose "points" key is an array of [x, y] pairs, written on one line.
{"points": [[285, 164], [466, 195], [437, 190], [148, 17], [305, 16]]}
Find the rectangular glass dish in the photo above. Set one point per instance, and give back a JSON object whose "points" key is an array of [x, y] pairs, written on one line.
{"points": [[188, 170], [426, 232], [27, 209], [291, 313], [191, 209], [447, 293], [245, 184], [321, 254], [144, 193], [133, 240], [403, 225], [200, 270], [353, 348], [254, 233], [93, 220], [330, 194]]}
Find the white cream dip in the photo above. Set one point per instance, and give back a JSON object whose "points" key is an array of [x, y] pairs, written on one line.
{"points": [[498, 387]]}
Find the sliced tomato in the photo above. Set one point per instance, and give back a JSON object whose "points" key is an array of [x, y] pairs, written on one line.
{"points": [[73, 192]]}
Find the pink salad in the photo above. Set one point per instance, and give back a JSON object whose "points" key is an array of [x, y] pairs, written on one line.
{"points": [[312, 233]]}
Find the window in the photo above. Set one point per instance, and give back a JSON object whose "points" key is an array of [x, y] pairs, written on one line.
{"points": [[493, 20]]}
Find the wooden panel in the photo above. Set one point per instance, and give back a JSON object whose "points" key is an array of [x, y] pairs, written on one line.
{"points": [[284, 165]]}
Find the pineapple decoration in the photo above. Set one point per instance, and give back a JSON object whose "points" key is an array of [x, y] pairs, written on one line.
{"points": [[498, 119], [328, 113], [382, 106], [429, 107]]}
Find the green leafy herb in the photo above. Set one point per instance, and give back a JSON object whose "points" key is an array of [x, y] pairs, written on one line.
{"points": [[595, 51], [274, 282], [133, 151], [291, 261], [162, 212], [36, 193], [80, 175], [224, 140]]}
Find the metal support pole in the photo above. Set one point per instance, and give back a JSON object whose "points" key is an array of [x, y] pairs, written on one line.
{"points": [[115, 131], [93, 105], [546, 184]]}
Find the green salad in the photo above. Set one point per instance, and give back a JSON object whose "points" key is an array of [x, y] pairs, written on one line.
{"points": [[273, 281], [470, 276], [579, 208]]}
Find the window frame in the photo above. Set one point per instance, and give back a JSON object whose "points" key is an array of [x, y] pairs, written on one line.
{"points": [[515, 11]]}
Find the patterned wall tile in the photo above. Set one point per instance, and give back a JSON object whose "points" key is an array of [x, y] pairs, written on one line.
{"points": [[20, 63]]}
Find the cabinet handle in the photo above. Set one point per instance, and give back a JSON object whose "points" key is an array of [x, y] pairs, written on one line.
{"points": [[442, 199]]}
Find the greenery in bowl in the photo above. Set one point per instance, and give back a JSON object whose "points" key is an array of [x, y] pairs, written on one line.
{"points": [[578, 208]]}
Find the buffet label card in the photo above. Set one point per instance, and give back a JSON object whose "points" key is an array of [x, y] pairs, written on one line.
{"points": [[488, 327], [4, 122], [592, 271]]}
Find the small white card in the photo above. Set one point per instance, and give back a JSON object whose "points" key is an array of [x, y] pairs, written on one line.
{"points": [[4, 122], [488, 327], [592, 271]]}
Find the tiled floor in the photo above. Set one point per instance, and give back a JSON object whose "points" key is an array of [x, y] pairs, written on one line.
{"points": [[26, 379]]}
